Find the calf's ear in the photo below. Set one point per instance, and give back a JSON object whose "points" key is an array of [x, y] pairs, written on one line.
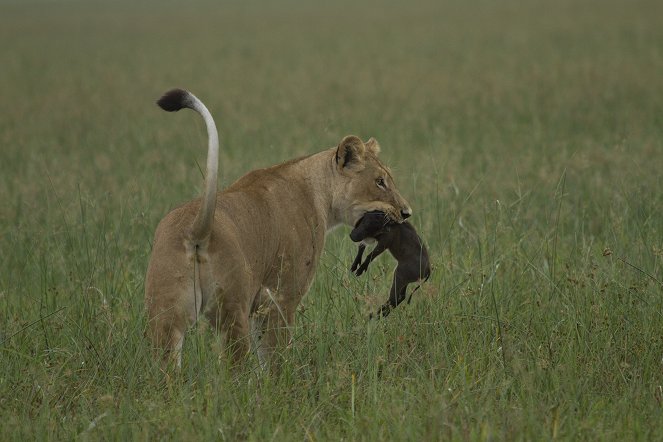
{"points": [[358, 234]]}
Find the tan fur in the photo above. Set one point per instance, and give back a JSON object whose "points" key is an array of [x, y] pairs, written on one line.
{"points": [[264, 243]]}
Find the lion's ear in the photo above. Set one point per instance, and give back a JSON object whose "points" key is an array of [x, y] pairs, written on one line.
{"points": [[350, 153], [373, 146]]}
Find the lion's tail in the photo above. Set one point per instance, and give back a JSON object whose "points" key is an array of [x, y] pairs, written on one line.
{"points": [[173, 101]]}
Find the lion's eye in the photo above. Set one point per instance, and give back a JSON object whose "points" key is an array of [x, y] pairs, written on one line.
{"points": [[380, 183]]}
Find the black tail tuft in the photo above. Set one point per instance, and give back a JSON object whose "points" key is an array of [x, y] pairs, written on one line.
{"points": [[174, 100]]}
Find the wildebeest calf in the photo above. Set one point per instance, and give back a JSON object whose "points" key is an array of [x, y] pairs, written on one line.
{"points": [[403, 243]]}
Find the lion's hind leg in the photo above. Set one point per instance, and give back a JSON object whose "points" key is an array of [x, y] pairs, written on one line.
{"points": [[272, 323], [173, 302], [167, 337], [229, 315]]}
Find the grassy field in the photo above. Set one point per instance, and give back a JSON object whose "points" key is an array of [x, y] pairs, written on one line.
{"points": [[527, 135]]}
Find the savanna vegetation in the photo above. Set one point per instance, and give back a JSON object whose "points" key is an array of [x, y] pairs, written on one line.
{"points": [[527, 136]]}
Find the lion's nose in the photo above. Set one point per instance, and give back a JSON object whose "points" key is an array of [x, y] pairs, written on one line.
{"points": [[406, 213]]}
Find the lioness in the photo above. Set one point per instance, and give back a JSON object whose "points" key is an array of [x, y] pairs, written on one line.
{"points": [[252, 249]]}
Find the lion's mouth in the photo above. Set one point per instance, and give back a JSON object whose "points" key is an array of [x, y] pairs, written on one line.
{"points": [[388, 218], [391, 215]]}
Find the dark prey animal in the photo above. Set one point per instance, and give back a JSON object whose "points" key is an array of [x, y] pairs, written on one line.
{"points": [[405, 246]]}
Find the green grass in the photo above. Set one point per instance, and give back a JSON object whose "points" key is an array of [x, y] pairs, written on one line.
{"points": [[527, 135]]}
